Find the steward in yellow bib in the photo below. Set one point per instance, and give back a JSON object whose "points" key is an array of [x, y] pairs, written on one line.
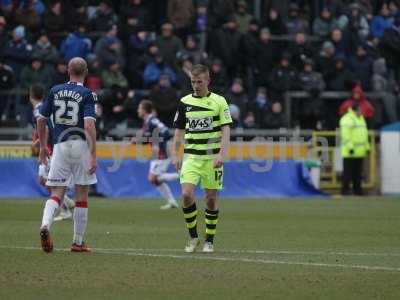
{"points": [[354, 147]]}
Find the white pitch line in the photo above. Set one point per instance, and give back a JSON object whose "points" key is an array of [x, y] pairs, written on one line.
{"points": [[229, 259], [235, 251], [344, 253]]}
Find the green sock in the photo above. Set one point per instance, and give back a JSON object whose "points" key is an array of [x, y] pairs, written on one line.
{"points": [[190, 215], [211, 224]]}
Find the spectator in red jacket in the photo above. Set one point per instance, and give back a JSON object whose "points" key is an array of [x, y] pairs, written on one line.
{"points": [[367, 109]]}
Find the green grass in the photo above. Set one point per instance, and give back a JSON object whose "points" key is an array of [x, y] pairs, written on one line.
{"points": [[299, 249]]}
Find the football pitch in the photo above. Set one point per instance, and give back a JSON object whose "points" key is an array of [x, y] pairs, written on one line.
{"points": [[275, 249]]}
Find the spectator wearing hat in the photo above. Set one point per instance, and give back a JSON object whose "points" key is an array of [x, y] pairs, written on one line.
{"points": [[104, 17], [325, 62], [17, 52], [76, 44], [354, 21], [180, 14], [361, 65], [282, 77], [109, 48], [169, 44], [61, 72], [193, 51], [300, 49], [295, 22], [265, 57], [358, 98], [45, 50], [224, 44], [155, 68], [113, 76], [324, 23], [242, 17], [218, 76], [273, 21]]}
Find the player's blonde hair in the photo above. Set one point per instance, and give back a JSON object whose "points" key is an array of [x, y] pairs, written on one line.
{"points": [[200, 69]]}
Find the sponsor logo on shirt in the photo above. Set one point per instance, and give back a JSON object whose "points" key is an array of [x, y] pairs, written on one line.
{"points": [[200, 124]]}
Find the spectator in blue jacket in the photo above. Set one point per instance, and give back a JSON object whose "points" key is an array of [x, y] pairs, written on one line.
{"points": [[155, 68], [381, 22], [139, 53], [109, 48], [17, 53], [76, 44]]}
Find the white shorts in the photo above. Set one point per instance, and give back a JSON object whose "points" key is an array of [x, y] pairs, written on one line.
{"points": [[70, 158], [45, 169], [159, 166]]}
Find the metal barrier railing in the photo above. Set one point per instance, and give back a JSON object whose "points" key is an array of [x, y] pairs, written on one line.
{"points": [[327, 95], [329, 155]]}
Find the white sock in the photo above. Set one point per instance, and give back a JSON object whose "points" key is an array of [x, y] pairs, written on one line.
{"points": [[50, 208], [166, 193], [80, 221], [168, 177], [69, 203]]}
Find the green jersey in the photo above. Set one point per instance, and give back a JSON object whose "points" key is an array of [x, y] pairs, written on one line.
{"points": [[202, 119]]}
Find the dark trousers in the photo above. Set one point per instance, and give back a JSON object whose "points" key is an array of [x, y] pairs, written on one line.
{"points": [[352, 173]]}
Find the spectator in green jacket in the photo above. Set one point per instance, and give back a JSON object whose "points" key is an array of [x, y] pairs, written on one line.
{"points": [[36, 72], [113, 76]]}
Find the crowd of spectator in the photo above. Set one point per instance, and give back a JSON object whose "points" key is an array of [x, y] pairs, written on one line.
{"points": [[145, 49]]}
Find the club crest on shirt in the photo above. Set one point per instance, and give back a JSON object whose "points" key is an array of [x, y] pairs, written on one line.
{"points": [[227, 113]]}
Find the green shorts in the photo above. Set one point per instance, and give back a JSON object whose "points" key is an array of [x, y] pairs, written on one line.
{"points": [[201, 170]]}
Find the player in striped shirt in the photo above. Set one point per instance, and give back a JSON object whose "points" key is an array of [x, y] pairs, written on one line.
{"points": [[202, 121]]}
